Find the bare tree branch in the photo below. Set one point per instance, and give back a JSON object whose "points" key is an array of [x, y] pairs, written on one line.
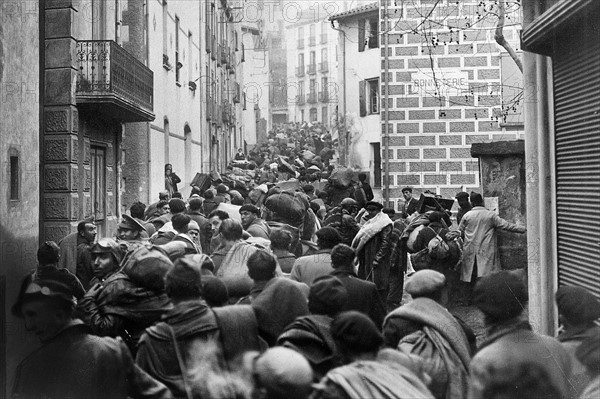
{"points": [[499, 36]]}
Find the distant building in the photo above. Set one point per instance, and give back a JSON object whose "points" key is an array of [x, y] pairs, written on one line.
{"points": [[445, 90], [358, 84]]}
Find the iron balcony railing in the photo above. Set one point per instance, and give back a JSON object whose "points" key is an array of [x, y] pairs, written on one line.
{"points": [[312, 98], [323, 96], [312, 69], [300, 43], [312, 40], [300, 70], [108, 74], [323, 38], [323, 66], [300, 99]]}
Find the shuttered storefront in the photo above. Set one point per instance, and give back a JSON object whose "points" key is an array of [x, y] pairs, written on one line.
{"points": [[576, 73]]}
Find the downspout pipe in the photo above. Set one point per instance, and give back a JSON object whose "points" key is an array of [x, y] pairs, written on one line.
{"points": [[344, 155], [386, 134]]}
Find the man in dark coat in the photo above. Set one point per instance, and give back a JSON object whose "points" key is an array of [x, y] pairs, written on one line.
{"points": [[373, 248], [195, 213], [362, 295], [72, 363], [410, 204], [464, 205], [86, 234]]}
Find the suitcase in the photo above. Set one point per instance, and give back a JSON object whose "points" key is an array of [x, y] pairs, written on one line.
{"points": [[202, 181]]}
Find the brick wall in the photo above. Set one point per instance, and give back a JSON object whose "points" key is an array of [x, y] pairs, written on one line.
{"points": [[434, 126]]}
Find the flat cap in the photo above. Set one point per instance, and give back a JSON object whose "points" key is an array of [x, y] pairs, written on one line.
{"points": [[327, 296], [284, 373], [502, 295], [577, 304], [425, 282]]}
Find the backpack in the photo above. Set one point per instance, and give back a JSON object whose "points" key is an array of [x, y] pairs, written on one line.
{"points": [[437, 247]]}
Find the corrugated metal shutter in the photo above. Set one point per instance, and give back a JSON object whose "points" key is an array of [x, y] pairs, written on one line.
{"points": [[576, 67]]}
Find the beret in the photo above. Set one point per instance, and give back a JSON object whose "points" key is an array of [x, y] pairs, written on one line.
{"points": [[214, 291], [462, 194], [356, 331], [425, 282], [501, 295], [327, 296], [184, 273], [577, 304]]}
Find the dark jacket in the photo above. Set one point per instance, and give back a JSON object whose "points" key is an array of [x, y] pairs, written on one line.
{"points": [[76, 364], [362, 296], [205, 229]]}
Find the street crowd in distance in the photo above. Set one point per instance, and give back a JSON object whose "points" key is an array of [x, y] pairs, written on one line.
{"points": [[282, 277]]}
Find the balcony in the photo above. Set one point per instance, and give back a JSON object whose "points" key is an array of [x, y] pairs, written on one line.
{"points": [[224, 55], [213, 48], [323, 38], [312, 69], [226, 112], [300, 43], [323, 66], [236, 93], [218, 55], [312, 41], [312, 98], [300, 71], [232, 62], [218, 115], [300, 99], [323, 96], [112, 82]]}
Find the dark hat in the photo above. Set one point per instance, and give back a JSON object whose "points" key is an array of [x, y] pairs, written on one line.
{"points": [[409, 189], [462, 194], [356, 331], [222, 188], [577, 304], [327, 296], [375, 204], [425, 282], [48, 253], [501, 295], [184, 274], [56, 284], [250, 208], [214, 291], [130, 223], [476, 198], [177, 205]]}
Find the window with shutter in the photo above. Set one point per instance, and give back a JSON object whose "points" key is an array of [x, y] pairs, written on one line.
{"points": [[361, 35], [361, 98]]}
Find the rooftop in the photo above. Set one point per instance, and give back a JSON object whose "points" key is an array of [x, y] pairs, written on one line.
{"points": [[355, 11]]}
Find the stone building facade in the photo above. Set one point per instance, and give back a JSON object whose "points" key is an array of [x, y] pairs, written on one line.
{"points": [[444, 92]]}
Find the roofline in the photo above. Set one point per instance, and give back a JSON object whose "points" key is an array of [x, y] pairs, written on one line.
{"points": [[369, 8]]}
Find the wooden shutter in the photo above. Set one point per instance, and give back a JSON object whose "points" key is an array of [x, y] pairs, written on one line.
{"points": [[576, 67], [207, 30], [361, 35], [362, 104]]}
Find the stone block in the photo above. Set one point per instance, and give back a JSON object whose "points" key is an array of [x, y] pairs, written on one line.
{"points": [[56, 121], [398, 167], [59, 23], [395, 38], [434, 153], [390, 128], [434, 101], [419, 63], [412, 153], [60, 53], [421, 114], [393, 64], [56, 231], [476, 138], [488, 74], [422, 166], [87, 178], [495, 60], [60, 87], [462, 101], [462, 126], [488, 126], [110, 204], [396, 115], [63, 177], [88, 205], [407, 128], [462, 179], [408, 180], [397, 141], [504, 137], [460, 49], [460, 153], [478, 35], [487, 48], [61, 206], [433, 50], [403, 77], [421, 140], [412, 38], [472, 166], [390, 76], [450, 140], [434, 127], [86, 151], [434, 179], [488, 101], [450, 114], [476, 61], [476, 113], [64, 148], [403, 50], [449, 62], [407, 102], [393, 89], [450, 166]]}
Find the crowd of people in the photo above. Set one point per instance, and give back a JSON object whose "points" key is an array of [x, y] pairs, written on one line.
{"points": [[294, 288]]}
